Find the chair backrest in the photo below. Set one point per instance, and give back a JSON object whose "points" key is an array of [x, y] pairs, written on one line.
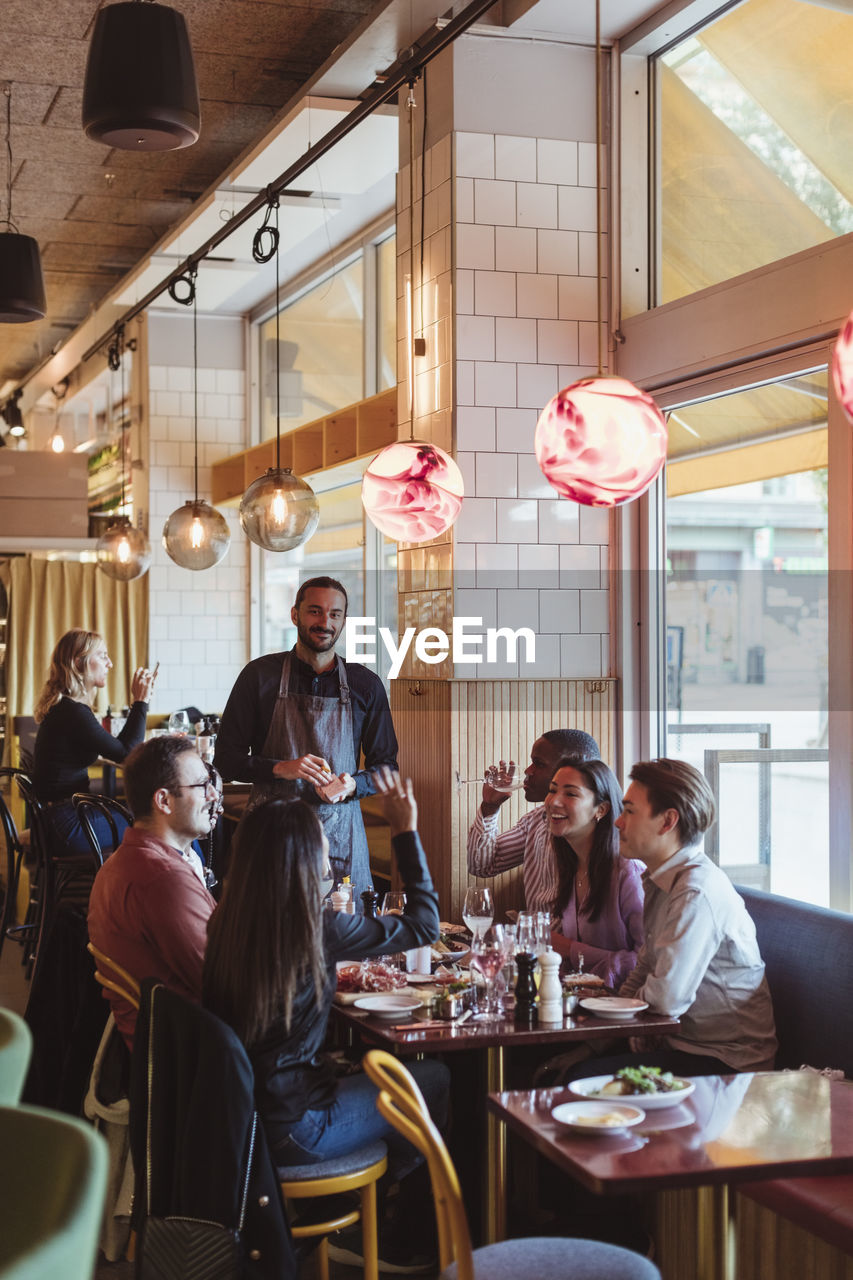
{"points": [[88, 805], [52, 1189], [402, 1104], [16, 1047], [14, 849], [25, 730], [116, 978], [39, 836]]}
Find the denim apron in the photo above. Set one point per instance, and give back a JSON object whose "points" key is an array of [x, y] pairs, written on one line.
{"points": [[303, 724]]}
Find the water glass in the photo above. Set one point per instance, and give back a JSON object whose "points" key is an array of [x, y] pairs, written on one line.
{"points": [[478, 910], [488, 956], [179, 722], [510, 969], [528, 932]]}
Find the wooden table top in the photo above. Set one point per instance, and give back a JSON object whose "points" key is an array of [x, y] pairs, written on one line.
{"points": [[433, 1036], [732, 1129]]}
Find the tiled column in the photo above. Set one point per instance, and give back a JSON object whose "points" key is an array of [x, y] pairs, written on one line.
{"points": [[510, 294]]}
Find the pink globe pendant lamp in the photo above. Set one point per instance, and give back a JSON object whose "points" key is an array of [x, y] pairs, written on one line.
{"points": [[601, 441], [842, 367], [412, 491]]}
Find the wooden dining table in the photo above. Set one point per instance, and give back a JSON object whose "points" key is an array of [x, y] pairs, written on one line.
{"points": [[732, 1129], [491, 1040]]}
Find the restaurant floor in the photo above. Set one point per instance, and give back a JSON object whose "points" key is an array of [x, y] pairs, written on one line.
{"points": [[14, 990]]}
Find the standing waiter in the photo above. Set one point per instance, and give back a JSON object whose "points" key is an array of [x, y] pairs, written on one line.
{"points": [[295, 723]]}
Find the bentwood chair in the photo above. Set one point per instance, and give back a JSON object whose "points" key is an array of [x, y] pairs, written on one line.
{"points": [[17, 845], [359, 1171], [116, 978], [51, 1195], [558, 1258], [89, 805]]}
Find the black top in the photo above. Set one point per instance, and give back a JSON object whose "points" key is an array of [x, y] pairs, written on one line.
{"points": [[70, 738], [248, 713], [291, 1075]]}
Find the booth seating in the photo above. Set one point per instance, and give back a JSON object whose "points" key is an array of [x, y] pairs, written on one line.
{"points": [[808, 953]]}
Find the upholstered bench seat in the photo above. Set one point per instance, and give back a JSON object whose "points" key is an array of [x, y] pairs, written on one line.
{"points": [[823, 1206]]}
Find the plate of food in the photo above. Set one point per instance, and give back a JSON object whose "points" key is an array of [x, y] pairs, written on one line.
{"points": [[620, 1008], [394, 1006], [598, 1117], [368, 977], [649, 1088], [449, 949]]}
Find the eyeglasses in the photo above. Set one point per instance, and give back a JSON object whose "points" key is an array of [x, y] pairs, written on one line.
{"points": [[207, 785]]}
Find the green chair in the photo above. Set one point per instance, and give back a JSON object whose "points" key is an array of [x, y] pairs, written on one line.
{"points": [[16, 1046], [51, 1195]]}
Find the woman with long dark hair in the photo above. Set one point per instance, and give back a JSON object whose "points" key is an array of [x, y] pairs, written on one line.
{"points": [[599, 901], [269, 972], [70, 737]]}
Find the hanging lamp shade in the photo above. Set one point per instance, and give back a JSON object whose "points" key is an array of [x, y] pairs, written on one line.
{"points": [[196, 536], [601, 441], [842, 367], [279, 510], [123, 551], [412, 491], [21, 281], [140, 91]]}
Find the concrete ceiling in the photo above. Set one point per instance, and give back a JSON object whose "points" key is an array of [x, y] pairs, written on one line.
{"points": [[97, 212]]}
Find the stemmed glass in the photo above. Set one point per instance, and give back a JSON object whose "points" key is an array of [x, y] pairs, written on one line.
{"points": [[179, 722], [393, 904], [478, 910], [488, 956], [504, 782]]}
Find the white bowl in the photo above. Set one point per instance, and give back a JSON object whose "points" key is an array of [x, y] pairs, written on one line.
{"points": [[389, 1006], [592, 1086], [619, 1008], [596, 1117]]}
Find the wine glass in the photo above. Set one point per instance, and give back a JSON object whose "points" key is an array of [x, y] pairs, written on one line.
{"points": [[179, 722], [488, 956], [393, 904], [478, 910], [505, 782]]}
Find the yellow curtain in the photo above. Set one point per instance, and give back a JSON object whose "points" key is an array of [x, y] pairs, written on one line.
{"points": [[48, 598]]}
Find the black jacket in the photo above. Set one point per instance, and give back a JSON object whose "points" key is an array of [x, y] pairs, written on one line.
{"points": [[201, 1124]]}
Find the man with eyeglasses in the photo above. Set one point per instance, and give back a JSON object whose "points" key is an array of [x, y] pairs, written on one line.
{"points": [[149, 906]]}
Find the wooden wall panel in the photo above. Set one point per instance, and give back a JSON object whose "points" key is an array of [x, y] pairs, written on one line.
{"points": [[464, 725]]}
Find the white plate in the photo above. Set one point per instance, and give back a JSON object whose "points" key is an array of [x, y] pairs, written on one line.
{"points": [[389, 1006], [592, 1086], [585, 1117], [620, 1008]]}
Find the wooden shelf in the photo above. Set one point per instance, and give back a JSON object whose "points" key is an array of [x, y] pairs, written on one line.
{"points": [[343, 436]]}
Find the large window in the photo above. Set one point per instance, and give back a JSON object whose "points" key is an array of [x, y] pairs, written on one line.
{"points": [[754, 114], [746, 625]]}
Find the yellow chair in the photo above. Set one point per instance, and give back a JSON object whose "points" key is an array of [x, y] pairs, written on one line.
{"points": [[129, 991], [401, 1103], [360, 1171]]}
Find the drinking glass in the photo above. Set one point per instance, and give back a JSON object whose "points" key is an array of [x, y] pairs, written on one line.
{"points": [[488, 956], [510, 969], [393, 903], [493, 777], [528, 933], [179, 722], [478, 910]]}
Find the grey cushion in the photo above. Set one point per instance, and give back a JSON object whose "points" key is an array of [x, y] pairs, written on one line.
{"points": [[336, 1168], [557, 1259]]}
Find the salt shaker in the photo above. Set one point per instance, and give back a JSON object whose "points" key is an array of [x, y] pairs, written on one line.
{"points": [[550, 988]]}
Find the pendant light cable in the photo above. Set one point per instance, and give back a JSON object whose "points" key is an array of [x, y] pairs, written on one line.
{"points": [[410, 107], [7, 90], [265, 245], [598, 186], [195, 393]]}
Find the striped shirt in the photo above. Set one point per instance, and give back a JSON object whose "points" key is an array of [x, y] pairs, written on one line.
{"points": [[527, 845]]}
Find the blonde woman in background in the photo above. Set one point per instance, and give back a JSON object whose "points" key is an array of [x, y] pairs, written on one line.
{"points": [[71, 738]]}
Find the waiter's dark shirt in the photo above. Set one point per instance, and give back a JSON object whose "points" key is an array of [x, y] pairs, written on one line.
{"points": [[248, 712]]}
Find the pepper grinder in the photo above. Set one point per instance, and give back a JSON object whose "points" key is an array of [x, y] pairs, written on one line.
{"points": [[525, 989], [550, 988], [370, 900]]}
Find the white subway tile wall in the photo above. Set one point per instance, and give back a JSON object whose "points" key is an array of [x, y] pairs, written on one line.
{"points": [[525, 263], [198, 620]]}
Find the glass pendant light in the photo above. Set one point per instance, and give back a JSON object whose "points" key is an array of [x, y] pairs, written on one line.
{"points": [[196, 536], [279, 510], [123, 551], [600, 441], [22, 296]]}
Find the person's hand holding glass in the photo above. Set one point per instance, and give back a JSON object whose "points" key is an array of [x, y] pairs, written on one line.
{"points": [[488, 956], [394, 904]]}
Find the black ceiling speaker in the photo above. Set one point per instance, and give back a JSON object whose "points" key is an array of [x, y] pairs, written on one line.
{"points": [[140, 92], [21, 281]]}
